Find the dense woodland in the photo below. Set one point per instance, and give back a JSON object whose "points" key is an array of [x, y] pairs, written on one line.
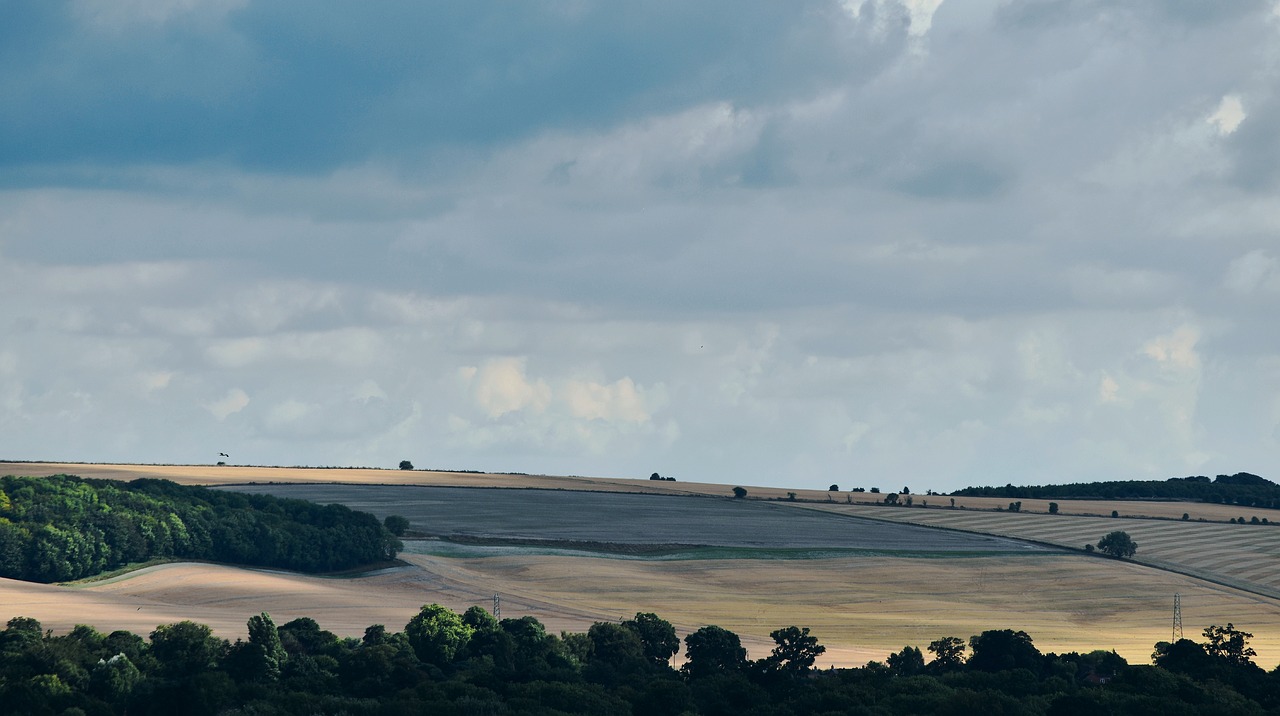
{"points": [[1241, 488], [61, 528], [446, 663]]}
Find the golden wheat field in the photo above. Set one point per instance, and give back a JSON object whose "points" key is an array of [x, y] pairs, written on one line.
{"points": [[860, 607]]}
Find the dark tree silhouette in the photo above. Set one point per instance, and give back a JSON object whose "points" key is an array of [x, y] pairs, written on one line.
{"points": [[657, 636], [1229, 643], [713, 650], [948, 652], [795, 651], [1002, 650]]}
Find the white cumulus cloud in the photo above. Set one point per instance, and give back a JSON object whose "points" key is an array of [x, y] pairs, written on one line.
{"points": [[232, 403], [500, 386], [1228, 116]]}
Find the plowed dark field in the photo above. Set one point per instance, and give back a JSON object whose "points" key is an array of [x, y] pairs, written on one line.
{"points": [[633, 519]]}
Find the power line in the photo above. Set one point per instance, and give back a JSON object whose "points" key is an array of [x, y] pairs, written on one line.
{"points": [[1177, 617]]}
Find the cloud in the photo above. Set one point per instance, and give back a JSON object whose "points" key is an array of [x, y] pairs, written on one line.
{"points": [[621, 401], [1228, 116], [125, 15], [234, 401], [956, 240], [1177, 350], [1108, 390], [1255, 272], [500, 387], [334, 88]]}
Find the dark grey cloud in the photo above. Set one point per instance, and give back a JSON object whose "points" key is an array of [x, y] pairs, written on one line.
{"points": [[299, 87]]}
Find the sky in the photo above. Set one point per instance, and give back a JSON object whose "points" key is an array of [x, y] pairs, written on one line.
{"points": [[927, 243]]}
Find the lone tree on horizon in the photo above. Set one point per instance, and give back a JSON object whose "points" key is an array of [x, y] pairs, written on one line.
{"points": [[1118, 544], [406, 465]]}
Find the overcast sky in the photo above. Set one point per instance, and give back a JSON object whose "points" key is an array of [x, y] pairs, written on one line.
{"points": [[931, 243]]}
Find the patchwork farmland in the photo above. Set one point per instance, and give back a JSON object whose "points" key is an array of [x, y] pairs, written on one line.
{"points": [[865, 588]]}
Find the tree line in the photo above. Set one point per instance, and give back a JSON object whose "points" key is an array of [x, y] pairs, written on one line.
{"points": [[1242, 488], [443, 662], [63, 527]]}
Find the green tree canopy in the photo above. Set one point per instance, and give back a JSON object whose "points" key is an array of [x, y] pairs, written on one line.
{"points": [[657, 636], [186, 648], [1118, 544], [268, 654], [436, 634]]}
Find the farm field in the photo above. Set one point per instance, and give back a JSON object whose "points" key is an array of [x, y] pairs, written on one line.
{"points": [[633, 519], [1246, 556], [861, 608], [239, 474], [861, 604]]}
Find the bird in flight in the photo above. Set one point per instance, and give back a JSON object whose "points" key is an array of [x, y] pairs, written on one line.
{"points": [[223, 454]]}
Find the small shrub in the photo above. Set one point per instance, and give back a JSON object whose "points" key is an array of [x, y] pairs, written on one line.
{"points": [[396, 525], [1115, 513], [739, 492], [1088, 548], [834, 488], [1053, 508], [1185, 517]]}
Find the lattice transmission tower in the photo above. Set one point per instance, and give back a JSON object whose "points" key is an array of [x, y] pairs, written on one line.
{"points": [[497, 609], [1177, 617]]}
